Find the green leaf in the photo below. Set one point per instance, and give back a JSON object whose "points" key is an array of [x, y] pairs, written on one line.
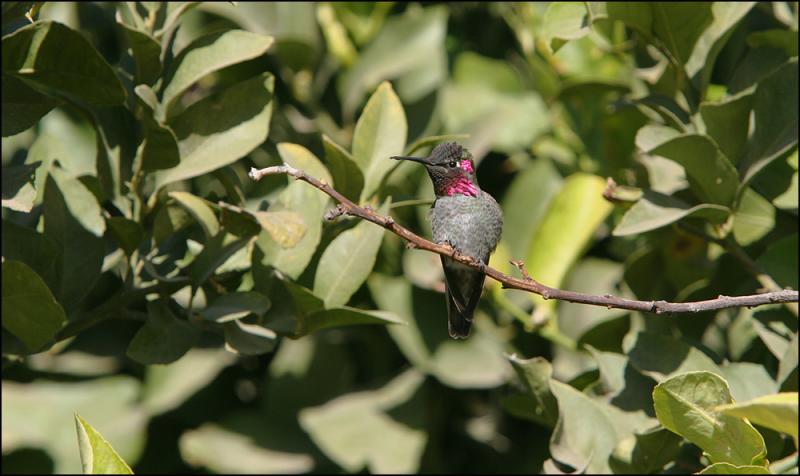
{"points": [[238, 221], [128, 233], [727, 468], [248, 339], [23, 106], [346, 175], [163, 338], [30, 311], [748, 380], [303, 199], [711, 175], [18, 191], [200, 210], [97, 455], [676, 26], [727, 122], [565, 231], [661, 357], [59, 59], [572, 444], [655, 210], [348, 260], [380, 133], [211, 53], [777, 412], [166, 387], [486, 101], [525, 203], [233, 306], [753, 219], [410, 49], [780, 261], [685, 405], [146, 52], [41, 414], [284, 227], [221, 129], [477, 362], [775, 120], [535, 375], [224, 451], [169, 219], [81, 253], [356, 431], [564, 21]]}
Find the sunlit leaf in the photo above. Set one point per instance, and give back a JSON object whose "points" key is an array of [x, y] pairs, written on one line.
{"points": [[97, 454], [778, 411]]}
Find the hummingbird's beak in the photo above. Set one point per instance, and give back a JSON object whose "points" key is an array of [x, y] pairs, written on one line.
{"points": [[421, 160]]}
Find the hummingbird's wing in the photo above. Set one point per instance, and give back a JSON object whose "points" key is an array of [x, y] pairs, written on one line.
{"points": [[463, 289]]}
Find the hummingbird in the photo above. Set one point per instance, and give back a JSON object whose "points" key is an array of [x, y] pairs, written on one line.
{"points": [[466, 218]]}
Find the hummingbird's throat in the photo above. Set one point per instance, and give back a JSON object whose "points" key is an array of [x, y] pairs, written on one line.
{"points": [[462, 185]]}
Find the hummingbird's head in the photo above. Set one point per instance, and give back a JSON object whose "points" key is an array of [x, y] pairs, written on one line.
{"points": [[451, 169]]}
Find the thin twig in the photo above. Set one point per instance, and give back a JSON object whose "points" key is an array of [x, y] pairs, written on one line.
{"points": [[526, 283]]}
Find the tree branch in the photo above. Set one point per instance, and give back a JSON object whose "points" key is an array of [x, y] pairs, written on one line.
{"points": [[526, 283]]}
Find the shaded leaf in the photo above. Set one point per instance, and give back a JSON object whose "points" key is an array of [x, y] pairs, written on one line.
{"points": [[727, 122], [97, 455], [780, 261], [23, 106], [146, 52], [233, 306], [216, 251], [777, 412], [645, 453], [248, 339], [30, 311], [775, 120], [200, 210], [685, 405], [163, 338], [80, 256], [535, 375], [128, 233], [342, 316], [58, 58], [662, 357], [711, 175], [753, 219], [18, 191]]}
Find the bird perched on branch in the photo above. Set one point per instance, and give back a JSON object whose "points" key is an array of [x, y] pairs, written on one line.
{"points": [[466, 218]]}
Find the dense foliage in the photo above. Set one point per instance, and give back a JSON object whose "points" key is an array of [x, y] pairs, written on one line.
{"points": [[154, 294]]}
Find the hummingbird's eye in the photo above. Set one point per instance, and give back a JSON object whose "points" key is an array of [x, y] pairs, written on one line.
{"points": [[453, 163]]}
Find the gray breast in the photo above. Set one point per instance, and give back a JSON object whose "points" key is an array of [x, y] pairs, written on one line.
{"points": [[470, 224]]}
